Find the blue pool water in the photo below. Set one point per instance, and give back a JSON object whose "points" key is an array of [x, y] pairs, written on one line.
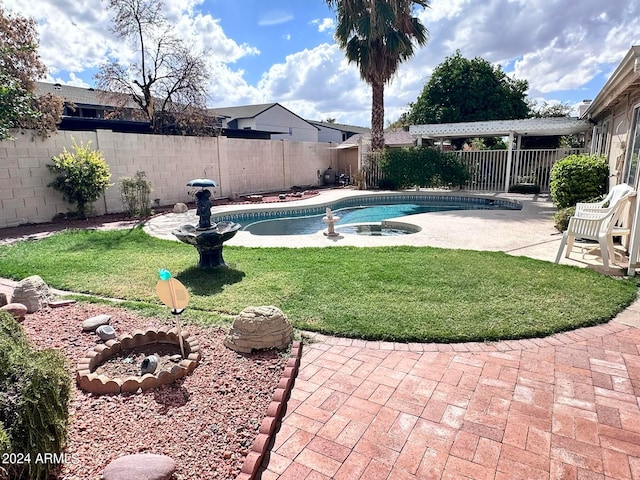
{"points": [[299, 222]]}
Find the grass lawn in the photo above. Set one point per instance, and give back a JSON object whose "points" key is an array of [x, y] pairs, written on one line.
{"points": [[390, 293]]}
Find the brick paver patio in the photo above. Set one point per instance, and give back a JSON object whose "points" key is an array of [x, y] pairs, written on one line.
{"points": [[561, 407]]}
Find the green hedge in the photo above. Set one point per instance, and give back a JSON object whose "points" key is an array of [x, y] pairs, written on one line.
{"points": [[35, 389], [424, 167], [578, 178]]}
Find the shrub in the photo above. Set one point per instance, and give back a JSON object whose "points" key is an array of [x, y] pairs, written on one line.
{"points": [[578, 178], [81, 175], [34, 394], [524, 188], [134, 193], [424, 167], [562, 216]]}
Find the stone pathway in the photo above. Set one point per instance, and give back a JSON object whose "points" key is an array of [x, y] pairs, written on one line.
{"points": [[561, 407]]}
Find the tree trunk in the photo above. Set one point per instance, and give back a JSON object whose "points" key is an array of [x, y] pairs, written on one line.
{"points": [[377, 116]]}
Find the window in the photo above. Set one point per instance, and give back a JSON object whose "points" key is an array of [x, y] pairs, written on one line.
{"points": [[633, 149], [600, 144]]}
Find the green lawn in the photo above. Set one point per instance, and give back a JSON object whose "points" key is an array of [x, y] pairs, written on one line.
{"points": [[391, 293]]}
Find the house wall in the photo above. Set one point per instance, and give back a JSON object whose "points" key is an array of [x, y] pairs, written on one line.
{"points": [[279, 119], [330, 135], [240, 166], [620, 117]]}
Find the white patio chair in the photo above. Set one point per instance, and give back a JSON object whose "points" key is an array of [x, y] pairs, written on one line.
{"points": [[599, 226], [615, 194]]}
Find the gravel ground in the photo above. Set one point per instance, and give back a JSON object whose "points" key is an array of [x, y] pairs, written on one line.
{"points": [[206, 421]]}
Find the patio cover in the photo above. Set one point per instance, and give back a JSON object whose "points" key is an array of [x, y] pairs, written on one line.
{"points": [[538, 127]]}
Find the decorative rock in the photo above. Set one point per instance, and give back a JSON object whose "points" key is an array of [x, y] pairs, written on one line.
{"points": [[142, 466], [149, 364], [18, 310], [180, 208], [32, 292], [3, 299], [91, 324], [106, 332], [257, 328], [61, 303]]}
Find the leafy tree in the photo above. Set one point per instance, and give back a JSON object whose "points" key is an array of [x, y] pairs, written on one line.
{"points": [[463, 90], [20, 65], [549, 110], [15, 104], [168, 82], [552, 110], [81, 175], [378, 35]]}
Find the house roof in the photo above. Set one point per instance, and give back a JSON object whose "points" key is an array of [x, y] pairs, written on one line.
{"points": [[624, 79], [396, 138], [78, 95], [497, 128], [250, 111], [340, 127], [243, 111]]}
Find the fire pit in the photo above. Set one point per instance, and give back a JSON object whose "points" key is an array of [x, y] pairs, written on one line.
{"points": [[91, 381]]}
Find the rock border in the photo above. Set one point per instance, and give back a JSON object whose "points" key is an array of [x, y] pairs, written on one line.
{"points": [[275, 411], [102, 384]]}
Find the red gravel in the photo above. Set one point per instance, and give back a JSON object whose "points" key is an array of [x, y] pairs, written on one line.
{"points": [[206, 421]]}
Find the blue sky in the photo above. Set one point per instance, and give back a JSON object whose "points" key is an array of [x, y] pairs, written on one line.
{"points": [[283, 50]]}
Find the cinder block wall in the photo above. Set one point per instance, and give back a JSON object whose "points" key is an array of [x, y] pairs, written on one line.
{"points": [[240, 167]]}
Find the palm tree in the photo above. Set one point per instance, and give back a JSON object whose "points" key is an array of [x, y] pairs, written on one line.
{"points": [[378, 35]]}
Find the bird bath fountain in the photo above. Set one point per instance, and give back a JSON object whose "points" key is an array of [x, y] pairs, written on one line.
{"points": [[207, 238], [330, 219]]}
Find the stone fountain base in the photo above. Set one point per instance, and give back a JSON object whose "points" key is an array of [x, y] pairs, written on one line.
{"points": [[102, 384], [208, 241]]}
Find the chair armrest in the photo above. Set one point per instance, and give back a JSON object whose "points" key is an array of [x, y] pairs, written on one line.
{"points": [[589, 211]]}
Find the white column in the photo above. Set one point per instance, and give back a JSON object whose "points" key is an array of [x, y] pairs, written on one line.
{"points": [[507, 176]]}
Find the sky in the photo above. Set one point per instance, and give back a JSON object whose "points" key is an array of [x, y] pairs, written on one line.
{"points": [[264, 51]]}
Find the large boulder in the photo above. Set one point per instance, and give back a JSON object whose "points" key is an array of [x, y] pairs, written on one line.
{"points": [[259, 328], [32, 292], [140, 466], [180, 208]]}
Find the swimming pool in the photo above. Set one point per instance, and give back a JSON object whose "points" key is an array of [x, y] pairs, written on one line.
{"points": [[360, 210]]}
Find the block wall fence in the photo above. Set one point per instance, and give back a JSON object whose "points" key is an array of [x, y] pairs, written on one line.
{"points": [[239, 166]]}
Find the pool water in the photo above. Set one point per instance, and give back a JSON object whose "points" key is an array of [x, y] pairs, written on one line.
{"points": [[361, 214]]}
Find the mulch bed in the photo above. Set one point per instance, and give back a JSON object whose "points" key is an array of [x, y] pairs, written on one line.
{"points": [[206, 421]]}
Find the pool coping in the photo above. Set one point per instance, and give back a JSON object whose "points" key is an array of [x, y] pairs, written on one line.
{"points": [[271, 212]]}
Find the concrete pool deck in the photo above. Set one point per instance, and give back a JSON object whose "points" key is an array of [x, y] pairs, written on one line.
{"points": [[527, 232]]}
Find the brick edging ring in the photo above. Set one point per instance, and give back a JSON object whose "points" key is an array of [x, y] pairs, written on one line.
{"points": [[103, 384], [275, 412]]}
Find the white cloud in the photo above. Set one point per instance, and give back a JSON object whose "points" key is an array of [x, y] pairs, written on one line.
{"points": [[324, 24], [275, 18]]}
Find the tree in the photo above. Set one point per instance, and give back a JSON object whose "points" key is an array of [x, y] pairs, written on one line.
{"points": [[168, 82], [551, 110], [378, 35], [20, 66], [547, 110], [463, 90]]}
